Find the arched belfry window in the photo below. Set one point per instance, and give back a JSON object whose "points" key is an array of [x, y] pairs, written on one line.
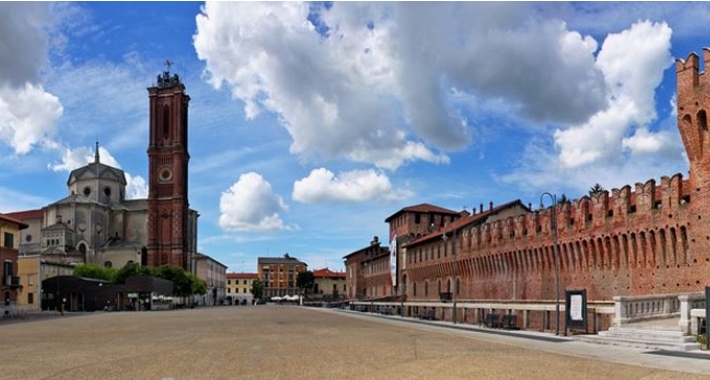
{"points": [[166, 122], [702, 121]]}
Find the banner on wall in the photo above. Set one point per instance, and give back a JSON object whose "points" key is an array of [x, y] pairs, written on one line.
{"points": [[393, 261]]}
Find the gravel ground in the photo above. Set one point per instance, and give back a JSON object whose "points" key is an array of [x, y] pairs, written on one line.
{"points": [[280, 342]]}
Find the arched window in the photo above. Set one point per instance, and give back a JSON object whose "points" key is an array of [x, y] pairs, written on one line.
{"points": [[108, 264], [426, 288], [82, 248], [166, 121], [144, 256]]}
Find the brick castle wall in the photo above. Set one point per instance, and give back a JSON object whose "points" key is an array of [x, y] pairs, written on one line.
{"points": [[652, 238]]}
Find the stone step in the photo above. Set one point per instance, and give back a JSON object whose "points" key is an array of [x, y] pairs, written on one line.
{"points": [[641, 333], [650, 343]]}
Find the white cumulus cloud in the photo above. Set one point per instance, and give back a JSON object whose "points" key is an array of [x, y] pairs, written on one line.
{"points": [[250, 204], [632, 62], [644, 141], [624, 142], [373, 82], [322, 186], [28, 117], [28, 114]]}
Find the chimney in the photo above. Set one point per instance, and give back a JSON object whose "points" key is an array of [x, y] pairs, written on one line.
{"points": [[490, 206], [481, 210]]}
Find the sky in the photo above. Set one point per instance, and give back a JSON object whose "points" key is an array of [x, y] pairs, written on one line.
{"points": [[311, 123]]}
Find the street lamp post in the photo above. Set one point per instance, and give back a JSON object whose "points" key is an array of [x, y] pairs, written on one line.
{"points": [[553, 224]]}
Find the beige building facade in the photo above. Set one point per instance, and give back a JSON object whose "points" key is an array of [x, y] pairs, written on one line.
{"points": [[239, 288], [32, 270], [329, 284], [214, 274]]}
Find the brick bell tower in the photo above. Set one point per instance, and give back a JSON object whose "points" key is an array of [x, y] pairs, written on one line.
{"points": [[167, 186]]}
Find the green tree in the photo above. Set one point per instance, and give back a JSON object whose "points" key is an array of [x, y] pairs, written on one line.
{"points": [[596, 190], [181, 281], [94, 271], [197, 285], [305, 280], [257, 289], [131, 269], [563, 199]]}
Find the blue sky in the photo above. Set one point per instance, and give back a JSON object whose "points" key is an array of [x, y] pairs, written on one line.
{"points": [[310, 123]]}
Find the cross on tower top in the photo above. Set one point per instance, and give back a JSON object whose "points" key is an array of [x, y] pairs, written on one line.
{"points": [[168, 64]]}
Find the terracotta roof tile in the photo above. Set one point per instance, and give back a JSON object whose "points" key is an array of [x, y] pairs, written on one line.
{"points": [[424, 208], [26, 215], [6, 218], [466, 220], [327, 273], [240, 276]]}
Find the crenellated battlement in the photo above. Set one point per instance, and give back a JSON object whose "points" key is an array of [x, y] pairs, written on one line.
{"points": [[606, 213], [688, 70], [693, 87]]}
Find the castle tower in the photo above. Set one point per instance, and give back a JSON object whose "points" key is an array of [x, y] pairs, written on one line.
{"points": [[168, 159], [693, 106]]}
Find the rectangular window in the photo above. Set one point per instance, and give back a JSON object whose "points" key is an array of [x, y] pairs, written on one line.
{"points": [[30, 279], [7, 272], [30, 298], [9, 240], [245, 282], [417, 218]]}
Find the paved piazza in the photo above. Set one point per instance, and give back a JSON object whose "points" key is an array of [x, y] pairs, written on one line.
{"points": [[289, 342]]}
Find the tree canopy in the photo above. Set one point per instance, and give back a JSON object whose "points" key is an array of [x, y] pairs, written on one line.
{"points": [[95, 271], [185, 283], [257, 289], [562, 200], [596, 190], [305, 280], [131, 269]]}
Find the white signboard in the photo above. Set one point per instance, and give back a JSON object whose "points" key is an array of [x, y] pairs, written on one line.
{"points": [[575, 307]]}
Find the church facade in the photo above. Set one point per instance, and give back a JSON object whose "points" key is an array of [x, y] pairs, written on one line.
{"points": [[95, 223]]}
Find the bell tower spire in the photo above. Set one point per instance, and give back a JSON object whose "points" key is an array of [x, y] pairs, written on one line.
{"points": [[168, 159]]}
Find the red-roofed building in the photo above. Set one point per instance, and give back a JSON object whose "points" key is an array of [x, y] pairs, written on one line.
{"points": [[367, 273], [423, 257], [409, 224], [329, 284]]}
